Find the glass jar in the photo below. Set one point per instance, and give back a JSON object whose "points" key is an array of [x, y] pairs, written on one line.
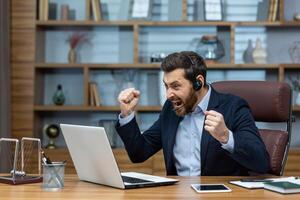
{"points": [[294, 51], [210, 48]]}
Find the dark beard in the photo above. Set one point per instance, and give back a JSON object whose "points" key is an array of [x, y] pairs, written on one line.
{"points": [[188, 105]]}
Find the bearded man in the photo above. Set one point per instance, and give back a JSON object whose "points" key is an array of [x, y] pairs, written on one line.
{"points": [[202, 132]]}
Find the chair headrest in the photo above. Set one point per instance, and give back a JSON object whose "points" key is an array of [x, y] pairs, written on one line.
{"points": [[269, 101]]}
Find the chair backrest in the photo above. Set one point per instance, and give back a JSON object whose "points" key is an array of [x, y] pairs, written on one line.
{"points": [[269, 102]]}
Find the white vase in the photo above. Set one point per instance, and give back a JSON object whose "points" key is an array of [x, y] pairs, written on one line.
{"points": [[259, 53], [162, 89], [297, 101]]}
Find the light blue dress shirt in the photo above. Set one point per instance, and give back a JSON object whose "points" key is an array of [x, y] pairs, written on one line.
{"points": [[187, 147]]}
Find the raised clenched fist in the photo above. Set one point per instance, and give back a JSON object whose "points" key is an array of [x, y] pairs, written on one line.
{"points": [[214, 123], [128, 100]]}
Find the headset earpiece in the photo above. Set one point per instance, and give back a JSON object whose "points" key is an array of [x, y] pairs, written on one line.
{"points": [[197, 85]]}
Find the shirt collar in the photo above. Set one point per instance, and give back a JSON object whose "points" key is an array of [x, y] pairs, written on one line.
{"points": [[203, 104]]}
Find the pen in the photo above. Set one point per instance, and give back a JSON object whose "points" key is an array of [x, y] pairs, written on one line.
{"points": [[46, 161]]}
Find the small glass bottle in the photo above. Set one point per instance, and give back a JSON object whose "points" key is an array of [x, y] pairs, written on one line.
{"points": [[248, 53], [58, 97]]}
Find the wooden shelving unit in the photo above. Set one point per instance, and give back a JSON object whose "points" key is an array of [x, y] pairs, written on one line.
{"points": [[135, 26]]}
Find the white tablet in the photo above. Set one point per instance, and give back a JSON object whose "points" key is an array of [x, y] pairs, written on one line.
{"points": [[204, 188]]}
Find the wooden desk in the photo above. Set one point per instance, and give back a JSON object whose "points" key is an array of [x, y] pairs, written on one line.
{"points": [[75, 189]]}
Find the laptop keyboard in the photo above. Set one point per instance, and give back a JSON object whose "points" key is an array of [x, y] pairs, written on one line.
{"points": [[128, 179]]}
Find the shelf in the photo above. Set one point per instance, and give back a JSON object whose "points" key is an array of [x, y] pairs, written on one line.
{"points": [[267, 23], [291, 23], [98, 66], [183, 23], [296, 108], [46, 108], [291, 65], [57, 65], [258, 23], [154, 66], [125, 66], [129, 23], [50, 23], [242, 66], [82, 23]]}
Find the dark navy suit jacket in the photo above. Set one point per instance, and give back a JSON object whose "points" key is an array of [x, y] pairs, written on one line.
{"points": [[249, 150]]}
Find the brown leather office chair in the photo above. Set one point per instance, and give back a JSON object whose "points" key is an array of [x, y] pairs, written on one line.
{"points": [[269, 102]]}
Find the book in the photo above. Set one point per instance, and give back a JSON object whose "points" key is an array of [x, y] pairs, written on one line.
{"points": [[174, 10], [271, 10], [46, 9], [72, 14], [91, 95], [41, 9], [87, 9], [275, 8], [96, 95], [199, 10], [124, 11], [96, 10], [64, 14], [52, 11], [259, 183], [283, 187], [262, 10]]}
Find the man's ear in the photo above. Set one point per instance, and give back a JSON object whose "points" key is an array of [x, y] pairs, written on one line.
{"points": [[201, 79]]}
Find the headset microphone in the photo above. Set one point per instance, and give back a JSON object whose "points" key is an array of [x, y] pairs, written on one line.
{"points": [[197, 85]]}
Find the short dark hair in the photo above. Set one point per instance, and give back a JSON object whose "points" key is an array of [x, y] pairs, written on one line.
{"points": [[192, 63]]}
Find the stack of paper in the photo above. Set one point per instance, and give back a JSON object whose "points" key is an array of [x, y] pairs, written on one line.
{"points": [[260, 183]]}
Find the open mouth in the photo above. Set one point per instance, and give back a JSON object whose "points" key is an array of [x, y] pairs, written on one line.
{"points": [[178, 104]]}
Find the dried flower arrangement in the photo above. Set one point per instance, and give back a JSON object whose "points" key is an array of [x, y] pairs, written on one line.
{"points": [[76, 38]]}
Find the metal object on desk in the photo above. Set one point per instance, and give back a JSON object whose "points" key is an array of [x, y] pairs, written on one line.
{"points": [[53, 175], [18, 175], [52, 131]]}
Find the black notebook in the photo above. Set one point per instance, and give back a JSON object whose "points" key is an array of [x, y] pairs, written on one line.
{"points": [[283, 187]]}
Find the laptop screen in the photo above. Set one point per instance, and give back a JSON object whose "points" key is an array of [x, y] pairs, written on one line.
{"points": [[92, 155]]}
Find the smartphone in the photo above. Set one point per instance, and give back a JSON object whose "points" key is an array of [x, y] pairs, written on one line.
{"points": [[204, 188]]}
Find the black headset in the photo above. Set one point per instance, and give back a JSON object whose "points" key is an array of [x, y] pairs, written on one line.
{"points": [[197, 85]]}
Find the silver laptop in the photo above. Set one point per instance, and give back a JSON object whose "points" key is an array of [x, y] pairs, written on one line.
{"points": [[95, 162]]}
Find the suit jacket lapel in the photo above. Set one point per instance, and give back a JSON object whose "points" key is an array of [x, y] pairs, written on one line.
{"points": [[172, 135], [206, 137]]}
